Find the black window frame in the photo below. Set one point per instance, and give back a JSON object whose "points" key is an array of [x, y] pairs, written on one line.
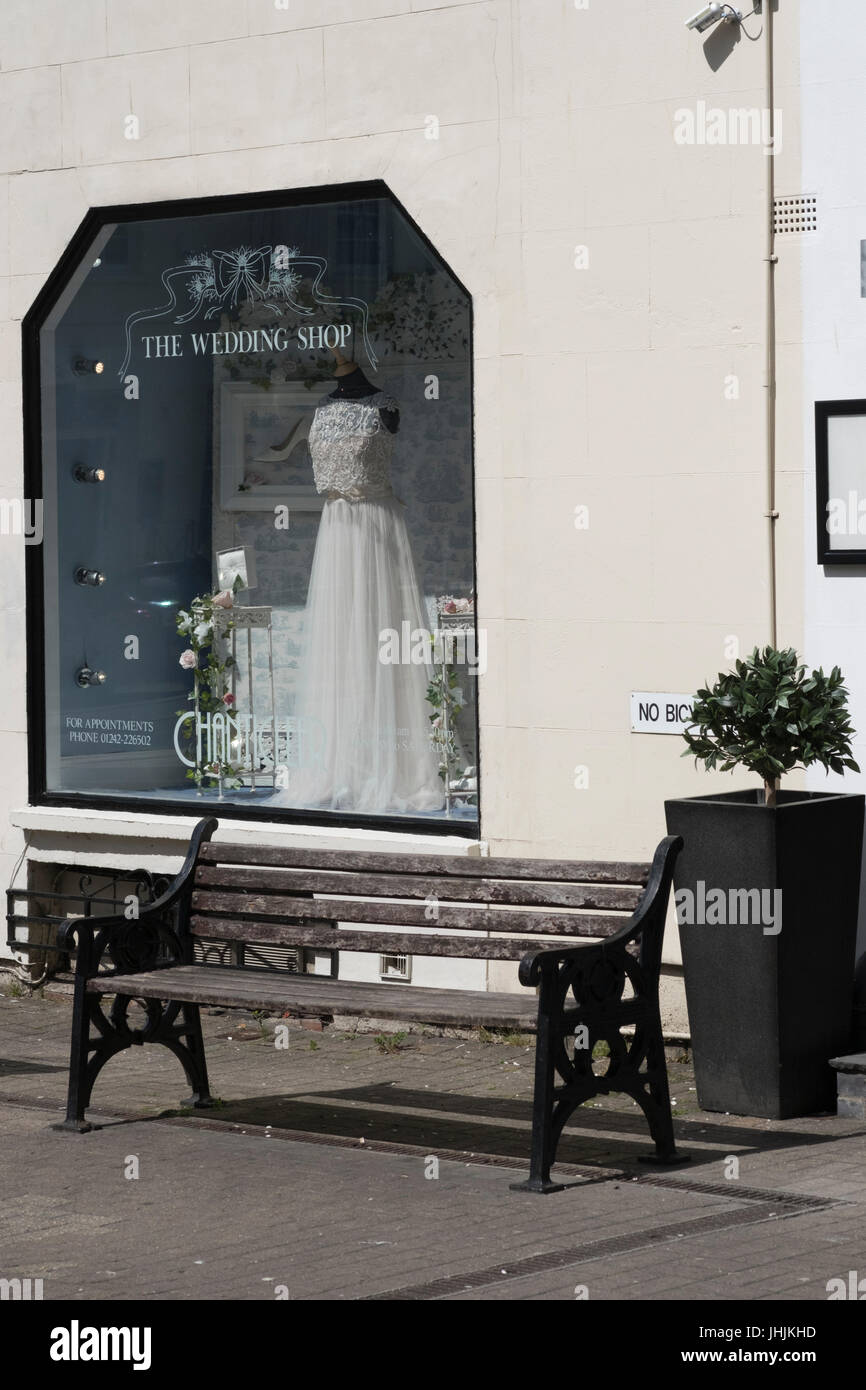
{"points": [[824, 412]]}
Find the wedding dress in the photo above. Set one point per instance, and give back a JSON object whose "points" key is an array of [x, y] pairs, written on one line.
{"points": [[364, 725]]}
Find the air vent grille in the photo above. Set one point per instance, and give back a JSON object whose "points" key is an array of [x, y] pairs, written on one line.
{"points": [[273, 958], [795, 214], [214, 952], [395, 967], [226, 953]]}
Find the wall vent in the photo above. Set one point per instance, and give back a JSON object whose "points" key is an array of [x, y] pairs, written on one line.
{"points": [[395, 967], [795, 214], [227, 953], [288, 958]]}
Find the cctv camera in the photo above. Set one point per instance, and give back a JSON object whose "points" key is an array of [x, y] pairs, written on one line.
{"points": [[710, 14]]}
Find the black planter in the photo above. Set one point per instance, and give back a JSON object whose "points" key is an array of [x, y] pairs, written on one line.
{"points": [[768, 1010]]}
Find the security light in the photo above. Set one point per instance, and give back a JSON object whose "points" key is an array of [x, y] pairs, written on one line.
{"points": [[711, 14], [82, 474], [87, 676]]}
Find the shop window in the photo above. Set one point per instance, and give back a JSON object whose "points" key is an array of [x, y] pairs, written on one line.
{"points": [[250, 425]]}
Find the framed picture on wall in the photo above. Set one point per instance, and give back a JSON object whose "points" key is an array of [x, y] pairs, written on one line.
{"points": [[264, 455], [840, 477]]}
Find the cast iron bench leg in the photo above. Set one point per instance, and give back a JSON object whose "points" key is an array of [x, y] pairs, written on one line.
{"points": [[192, 1058], [96, 1039], [543, 1139], [78, 1093], [655, 1102], [88, 1055]]}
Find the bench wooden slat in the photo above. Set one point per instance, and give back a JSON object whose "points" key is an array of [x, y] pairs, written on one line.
{"points": [[314, 996], [615, 897], [389, 943], [251, 908], [447, 865]]}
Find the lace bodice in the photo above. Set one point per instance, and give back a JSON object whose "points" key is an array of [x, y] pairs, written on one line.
{"points": [[351, 447]]}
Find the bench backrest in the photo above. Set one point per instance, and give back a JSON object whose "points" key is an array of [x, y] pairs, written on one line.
{"points": [[490, 909]]}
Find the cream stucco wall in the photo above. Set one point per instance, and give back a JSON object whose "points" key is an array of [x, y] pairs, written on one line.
{"points": [[606, 386]]}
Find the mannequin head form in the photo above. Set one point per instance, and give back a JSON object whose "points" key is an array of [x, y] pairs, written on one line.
{"points": [[344, 364], [351, 381]]}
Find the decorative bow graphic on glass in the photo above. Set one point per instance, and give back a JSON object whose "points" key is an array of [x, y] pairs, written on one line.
{"points": [[219, 280], [242, 274]]}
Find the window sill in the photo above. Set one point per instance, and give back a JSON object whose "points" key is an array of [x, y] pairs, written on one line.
{"points": [[62, 834]]}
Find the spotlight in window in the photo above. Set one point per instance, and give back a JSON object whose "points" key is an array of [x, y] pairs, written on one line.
{"points": [[82, 474], [85, 576], [711, 14], [85, 676], [84, 366]]}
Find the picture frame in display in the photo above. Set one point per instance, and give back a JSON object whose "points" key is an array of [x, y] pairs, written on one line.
{"points": [[264, 458]]}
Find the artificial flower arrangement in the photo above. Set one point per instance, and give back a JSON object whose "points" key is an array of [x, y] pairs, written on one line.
{"points": [[445, 694], [448, 606], [417, 316], [205, 659]]}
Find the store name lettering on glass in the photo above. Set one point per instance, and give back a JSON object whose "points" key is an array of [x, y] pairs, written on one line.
{"points": [[260, 339], [281, 414], [218, 281]]}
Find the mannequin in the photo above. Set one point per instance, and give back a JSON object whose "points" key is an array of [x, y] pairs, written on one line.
{"points": [[352, 385], [365, 721]]}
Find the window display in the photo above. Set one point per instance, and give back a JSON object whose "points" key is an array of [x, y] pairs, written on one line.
{"points": [[254, 446]]}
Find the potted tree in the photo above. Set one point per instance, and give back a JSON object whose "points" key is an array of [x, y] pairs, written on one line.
{"points": [[766, 890]]}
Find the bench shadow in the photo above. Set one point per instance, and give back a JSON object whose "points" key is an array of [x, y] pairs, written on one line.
{"points": [[362, 1119], [701, 1128], [468, 1125], [14, 1066]]}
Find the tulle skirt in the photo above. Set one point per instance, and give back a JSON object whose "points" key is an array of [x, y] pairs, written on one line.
{"points": [[364, 721]]}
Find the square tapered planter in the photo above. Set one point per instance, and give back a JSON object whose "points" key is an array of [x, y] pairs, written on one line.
{"points": [[769, 1000]]}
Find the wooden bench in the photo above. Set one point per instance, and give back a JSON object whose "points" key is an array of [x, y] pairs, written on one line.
{"points": [[478, 908]]}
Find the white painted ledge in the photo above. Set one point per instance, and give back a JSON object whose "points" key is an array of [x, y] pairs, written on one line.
{"points": [[68, 835]]}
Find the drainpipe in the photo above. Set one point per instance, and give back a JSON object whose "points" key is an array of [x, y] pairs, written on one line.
{"points": [[771, 259]]}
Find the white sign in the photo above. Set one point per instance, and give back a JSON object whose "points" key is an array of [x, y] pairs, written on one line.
{"points": [[654, 712]]}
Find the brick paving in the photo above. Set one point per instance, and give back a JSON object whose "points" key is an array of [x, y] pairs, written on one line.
{"points": [[309, 1180]]}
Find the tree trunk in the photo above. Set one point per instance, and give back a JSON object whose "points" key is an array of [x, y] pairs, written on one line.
{"points": [[770, 789]]}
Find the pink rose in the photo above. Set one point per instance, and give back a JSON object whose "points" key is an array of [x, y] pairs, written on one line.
{"points": [[224, 599], [228, 698], [449, 607], [188, 659]]}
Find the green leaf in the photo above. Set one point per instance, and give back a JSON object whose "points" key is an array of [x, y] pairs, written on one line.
{"points": [[770, 715]]}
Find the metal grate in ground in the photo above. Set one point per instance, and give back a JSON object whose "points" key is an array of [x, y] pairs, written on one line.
{"points": [[578, 1255]]}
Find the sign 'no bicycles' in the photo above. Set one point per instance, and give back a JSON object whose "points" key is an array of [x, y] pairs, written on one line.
{"points": [[654, 712]]}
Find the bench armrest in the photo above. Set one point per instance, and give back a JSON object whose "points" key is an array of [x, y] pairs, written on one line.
{"points": [[548, 959], [647, 921], [91, 935]]}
